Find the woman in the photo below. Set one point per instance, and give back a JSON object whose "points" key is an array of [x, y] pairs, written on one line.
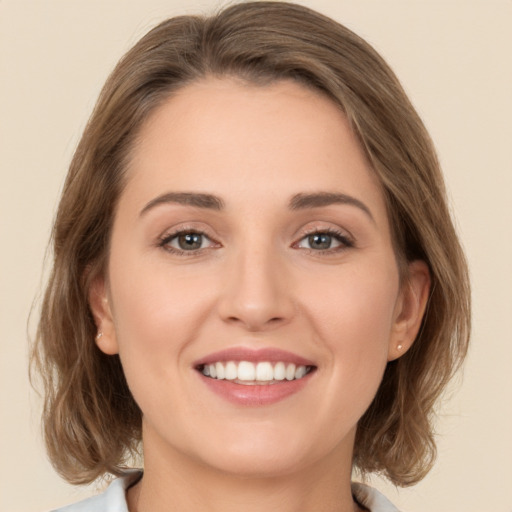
{"points": [[256, 278]]}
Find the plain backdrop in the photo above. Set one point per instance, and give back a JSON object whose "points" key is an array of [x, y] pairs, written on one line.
{"points": [[454, 59]]}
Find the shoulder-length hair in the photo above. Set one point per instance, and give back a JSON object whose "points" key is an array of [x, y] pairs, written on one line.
{"points": [[91, 421]]}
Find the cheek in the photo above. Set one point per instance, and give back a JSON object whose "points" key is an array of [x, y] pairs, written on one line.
{"points": [[354, 320], [153, 322], [361, 301], [157, 314], [151, 299]]}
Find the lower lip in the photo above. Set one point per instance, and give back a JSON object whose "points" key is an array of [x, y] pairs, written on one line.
{"points": [[255, 395]]}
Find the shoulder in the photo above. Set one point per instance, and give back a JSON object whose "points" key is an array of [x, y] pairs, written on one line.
{"points": [[372, 499], [113, 499]]}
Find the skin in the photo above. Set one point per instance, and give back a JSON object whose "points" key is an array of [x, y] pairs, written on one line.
{"points": [[256, 282]]}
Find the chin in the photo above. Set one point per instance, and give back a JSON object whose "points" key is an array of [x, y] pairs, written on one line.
{"points": [[263, 456], [259, 466]]}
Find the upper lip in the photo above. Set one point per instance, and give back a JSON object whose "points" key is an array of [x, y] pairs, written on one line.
{"points": [[272, 355]]}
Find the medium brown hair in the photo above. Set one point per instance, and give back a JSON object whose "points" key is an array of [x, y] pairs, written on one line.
{"points": [[91, 421]]}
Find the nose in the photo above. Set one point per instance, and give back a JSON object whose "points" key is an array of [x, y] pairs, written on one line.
{"points": [[257, 292]]}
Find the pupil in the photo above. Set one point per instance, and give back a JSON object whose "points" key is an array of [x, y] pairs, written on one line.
{"points": [[320, 241], [190, 241]]}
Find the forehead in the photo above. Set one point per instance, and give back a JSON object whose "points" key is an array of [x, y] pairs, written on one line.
{"points": [[231, 138]]}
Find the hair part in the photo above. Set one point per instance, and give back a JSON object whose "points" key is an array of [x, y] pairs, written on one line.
{"points": [[92, 424]]}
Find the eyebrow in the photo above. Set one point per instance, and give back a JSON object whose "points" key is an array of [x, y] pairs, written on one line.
{"points": [[319, 199], [196, 199], [300, 201]]}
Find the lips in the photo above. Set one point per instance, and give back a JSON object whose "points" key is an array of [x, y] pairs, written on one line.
{"points": [[254, 377], [272, 355]]}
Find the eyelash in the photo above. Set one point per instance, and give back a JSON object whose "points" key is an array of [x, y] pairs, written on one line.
{"points": [[169, 237], [344, 241]]}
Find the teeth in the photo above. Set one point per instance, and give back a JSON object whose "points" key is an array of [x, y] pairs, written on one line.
{"points": [[291, 373], [264, 371], [246, 371], [300, 372], [231, 371], [219, 368], [279, 371]]}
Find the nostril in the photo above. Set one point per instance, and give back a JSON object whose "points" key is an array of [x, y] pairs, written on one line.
{"points": [[256, 298]]}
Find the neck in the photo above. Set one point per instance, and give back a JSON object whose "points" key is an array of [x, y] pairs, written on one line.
{"points": [[175, 482]]}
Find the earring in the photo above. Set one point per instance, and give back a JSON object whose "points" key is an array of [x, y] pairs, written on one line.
{"points": [[99, 335], [399, 347]]}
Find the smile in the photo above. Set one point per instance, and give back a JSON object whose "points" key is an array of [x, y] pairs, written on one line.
{"points": [[249, 373], [255, 377]]}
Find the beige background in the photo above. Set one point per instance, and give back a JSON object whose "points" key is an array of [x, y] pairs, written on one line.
{"points": [[454, 59]]}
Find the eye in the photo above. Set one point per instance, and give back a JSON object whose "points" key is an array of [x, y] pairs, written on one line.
{"points": [[186, 241], [325, 241]]}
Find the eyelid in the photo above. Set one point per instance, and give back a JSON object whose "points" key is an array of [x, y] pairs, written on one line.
{"points": [[345, 239], [170, 234]]}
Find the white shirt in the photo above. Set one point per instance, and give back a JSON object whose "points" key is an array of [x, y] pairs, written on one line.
{"points": [[113, 499]]}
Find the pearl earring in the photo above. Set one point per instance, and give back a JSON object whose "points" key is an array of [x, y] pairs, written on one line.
{"points": [[99, 335], [399, 347]]}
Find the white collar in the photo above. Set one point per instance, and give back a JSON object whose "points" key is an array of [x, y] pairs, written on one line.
{"points": [[113, 499]]}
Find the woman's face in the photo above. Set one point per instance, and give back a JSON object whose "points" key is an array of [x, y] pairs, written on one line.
{"points": [[252, 243]]}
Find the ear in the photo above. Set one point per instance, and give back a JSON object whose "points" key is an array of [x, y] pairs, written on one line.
{"points": [[410, 309], [101, 310]]}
